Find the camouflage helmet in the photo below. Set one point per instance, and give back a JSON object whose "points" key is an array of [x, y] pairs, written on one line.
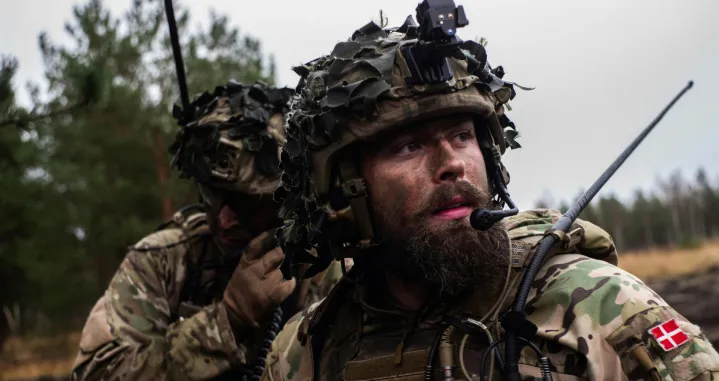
{"points": [[233, 137], [361, 89]]}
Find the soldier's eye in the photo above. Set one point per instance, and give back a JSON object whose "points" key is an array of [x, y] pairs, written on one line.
{"points": [[408, 147], [464, 136]]}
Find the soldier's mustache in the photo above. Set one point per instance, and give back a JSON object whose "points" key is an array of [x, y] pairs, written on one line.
{"points": [[228, 218], [471, 195]]}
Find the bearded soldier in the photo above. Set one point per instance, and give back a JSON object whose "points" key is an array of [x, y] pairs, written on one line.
{"points": [[385, 167], [194, 299]]}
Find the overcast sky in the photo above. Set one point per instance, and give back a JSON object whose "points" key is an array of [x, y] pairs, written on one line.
{"points": [[602, 71]]}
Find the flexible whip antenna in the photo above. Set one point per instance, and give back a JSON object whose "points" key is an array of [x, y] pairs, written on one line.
{"points": [[179, 64], [276, 321], [514, 321]]}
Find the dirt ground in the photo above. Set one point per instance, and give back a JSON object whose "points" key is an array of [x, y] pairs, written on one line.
{"points": [[687, 279], [696, 297]]}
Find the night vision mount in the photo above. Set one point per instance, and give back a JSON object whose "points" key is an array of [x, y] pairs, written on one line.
{"points": [[438, 23]]}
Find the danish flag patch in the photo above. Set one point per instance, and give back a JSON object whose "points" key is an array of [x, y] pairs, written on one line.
{"points": [[669, 335]]}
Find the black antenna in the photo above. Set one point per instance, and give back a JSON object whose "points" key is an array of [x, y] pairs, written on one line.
{"points": [[514, 321], [179, 64]]}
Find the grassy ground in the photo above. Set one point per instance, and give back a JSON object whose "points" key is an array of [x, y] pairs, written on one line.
{"points": [[28, 359], [668, 263], [31, 358]]}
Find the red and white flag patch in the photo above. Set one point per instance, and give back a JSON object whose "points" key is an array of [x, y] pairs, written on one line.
{"points": [[669, 335]]}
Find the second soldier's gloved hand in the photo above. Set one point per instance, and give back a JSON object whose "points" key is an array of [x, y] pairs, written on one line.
{"points": [[257, 286]]}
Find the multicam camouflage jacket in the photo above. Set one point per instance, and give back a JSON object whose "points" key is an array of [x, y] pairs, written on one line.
{"points": [[160, 318], [595, 322]]}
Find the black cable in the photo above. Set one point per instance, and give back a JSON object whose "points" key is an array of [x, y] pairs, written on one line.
{"points": [[543, 361], [429, 367], [179, 64], [264, 350], [482, 219]]}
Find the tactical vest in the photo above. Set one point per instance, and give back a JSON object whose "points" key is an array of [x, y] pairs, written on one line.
{"points": [[342, 340], [340, 343]]}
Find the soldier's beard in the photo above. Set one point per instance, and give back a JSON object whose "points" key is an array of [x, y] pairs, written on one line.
{"points": [[452, 257]]}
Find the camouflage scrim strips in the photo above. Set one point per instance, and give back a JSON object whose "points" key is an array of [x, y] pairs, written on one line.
{"points": [[234, 141], [359, 90]]}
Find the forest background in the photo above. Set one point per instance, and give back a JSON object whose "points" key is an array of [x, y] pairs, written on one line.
{"points": [[79, 187]]}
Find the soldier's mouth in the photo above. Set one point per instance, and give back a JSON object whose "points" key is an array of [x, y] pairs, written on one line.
{"points": [[231, 231], [456, 208], [228, 218]]}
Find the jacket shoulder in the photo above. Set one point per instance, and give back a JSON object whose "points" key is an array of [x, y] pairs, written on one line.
{"points": [[527, 228], [172, 243], [174, 232], [160, 240]]}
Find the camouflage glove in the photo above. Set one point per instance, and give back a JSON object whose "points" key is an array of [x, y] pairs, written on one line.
{"points": [[257, 286]]}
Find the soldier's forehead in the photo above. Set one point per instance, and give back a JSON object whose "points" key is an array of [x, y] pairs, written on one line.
{"points": [[427, 126]]}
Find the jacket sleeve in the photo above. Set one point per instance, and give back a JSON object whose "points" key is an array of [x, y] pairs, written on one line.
{"points": [[130, 333]]}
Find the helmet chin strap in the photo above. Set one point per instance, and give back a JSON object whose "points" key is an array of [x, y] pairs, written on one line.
{"points": [[355, 191], [483, 219]]}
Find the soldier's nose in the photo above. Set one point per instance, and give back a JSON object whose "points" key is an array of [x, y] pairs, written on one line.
{"points": [[449, 167]]}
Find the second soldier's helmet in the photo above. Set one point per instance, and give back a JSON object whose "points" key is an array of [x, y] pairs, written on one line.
{"points": [[231, 141], [364, 88]]}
